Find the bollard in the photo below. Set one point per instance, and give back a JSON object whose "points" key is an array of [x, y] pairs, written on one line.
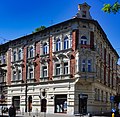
{"points": [[113, 115]]}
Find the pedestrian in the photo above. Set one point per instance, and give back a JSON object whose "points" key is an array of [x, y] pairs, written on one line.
{"points": [[12, 111]]}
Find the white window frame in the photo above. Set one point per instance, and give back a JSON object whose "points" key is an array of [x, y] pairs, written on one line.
{"points": [[14, 75], [83, 65], [14, 56], [19, 74], [44, 71], [58, 45], [57, 69], [83, 40], [65, 68], [45, 48], [66, 42], [19, 54]]}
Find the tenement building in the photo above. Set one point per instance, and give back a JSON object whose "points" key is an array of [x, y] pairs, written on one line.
{"points": [[70, 67]]}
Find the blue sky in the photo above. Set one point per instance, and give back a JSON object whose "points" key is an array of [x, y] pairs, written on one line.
{"points": [[21, 17]]}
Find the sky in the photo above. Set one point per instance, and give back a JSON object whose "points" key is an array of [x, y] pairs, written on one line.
{"points": [[20, 17]]}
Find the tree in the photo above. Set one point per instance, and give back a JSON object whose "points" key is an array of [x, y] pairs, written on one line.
{"points": [[114, 8], [39, 29]]}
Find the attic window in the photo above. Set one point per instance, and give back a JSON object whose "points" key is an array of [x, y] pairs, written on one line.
{"points": [[83, 13]]}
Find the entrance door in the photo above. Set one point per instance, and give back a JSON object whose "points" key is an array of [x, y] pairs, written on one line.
{"points": [[60, 103], [16, 102], [83, 103]]}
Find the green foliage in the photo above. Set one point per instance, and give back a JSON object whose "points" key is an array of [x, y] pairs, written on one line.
{"points": [[108, 8], [39, 29]]}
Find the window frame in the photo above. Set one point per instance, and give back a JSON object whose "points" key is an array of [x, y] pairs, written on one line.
{"points": [[57, 69], [58, 45], [66, 42], [65, 68], [45, 48]]}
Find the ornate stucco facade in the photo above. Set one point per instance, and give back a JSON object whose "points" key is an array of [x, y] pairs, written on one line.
{"points": [[71, 65]]}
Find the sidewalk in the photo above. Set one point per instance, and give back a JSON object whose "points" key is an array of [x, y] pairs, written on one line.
{"points": [[44, 115]]}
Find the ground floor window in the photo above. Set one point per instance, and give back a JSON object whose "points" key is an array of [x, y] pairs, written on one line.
{"points": [[16, 102], [61, 103]]}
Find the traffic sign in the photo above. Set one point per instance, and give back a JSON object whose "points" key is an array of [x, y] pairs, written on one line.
{"points": [[112, 98]]}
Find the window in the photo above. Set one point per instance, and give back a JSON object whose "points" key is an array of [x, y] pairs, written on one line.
{"points": [[2, 59], [31, 73], [66, 43], [83, 13], [95, 93], [14, 75], [44, 71], [45, 48], [19, 54], [57, 69], [106, 96], [89, 65], [14, 56], [58, 45], [65, 68], [83, 40], [101, 95], [19, 75], [83, 65], [31, 52]]}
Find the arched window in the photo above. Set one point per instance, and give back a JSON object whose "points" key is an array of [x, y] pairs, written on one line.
{"points": [[20, 54], [58, 45], [83, 40], [66, 43], [14, 56], [31, 52]]}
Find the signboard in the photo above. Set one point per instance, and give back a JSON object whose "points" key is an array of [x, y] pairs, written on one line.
{"points": [[112, 98], [83, 96]]}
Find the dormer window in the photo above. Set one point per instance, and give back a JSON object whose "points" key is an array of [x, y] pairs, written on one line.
{"points": [[83, 40], [83, 13]]}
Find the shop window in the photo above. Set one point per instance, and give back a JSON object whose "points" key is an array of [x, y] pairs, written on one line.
{"points": [[61, 103]]}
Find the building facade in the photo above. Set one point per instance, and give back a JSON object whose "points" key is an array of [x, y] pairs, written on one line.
{"points": [[70, 67]]}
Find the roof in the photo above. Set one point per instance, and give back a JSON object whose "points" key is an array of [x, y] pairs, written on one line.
{"points": [[73, 20]]}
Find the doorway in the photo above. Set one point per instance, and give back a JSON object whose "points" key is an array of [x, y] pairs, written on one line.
{"points": [[83, 103], [61, 103]]}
